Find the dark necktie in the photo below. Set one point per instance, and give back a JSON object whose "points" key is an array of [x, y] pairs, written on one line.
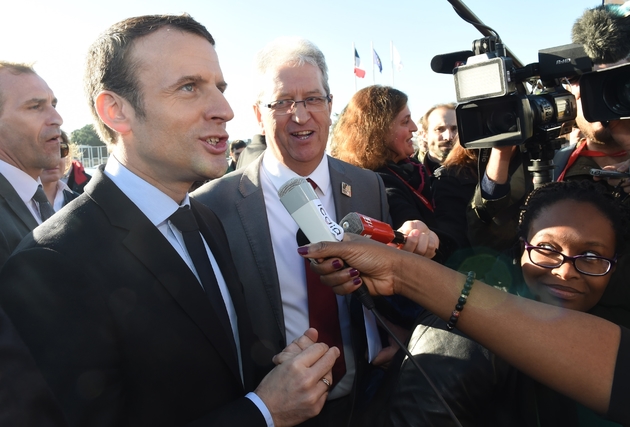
{"points": [[45, 210], [323, 313], [185, 221]]}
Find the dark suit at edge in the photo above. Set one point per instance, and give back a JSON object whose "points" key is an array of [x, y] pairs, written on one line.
{"points": [[121, 329], [16, 220]]}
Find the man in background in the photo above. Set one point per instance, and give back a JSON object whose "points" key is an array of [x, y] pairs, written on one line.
{"points": [[236, 148], [252, 151], [29, 142], [438, 129]]}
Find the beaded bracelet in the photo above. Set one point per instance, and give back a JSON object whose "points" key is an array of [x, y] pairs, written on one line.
{"points": [[470, 279]]}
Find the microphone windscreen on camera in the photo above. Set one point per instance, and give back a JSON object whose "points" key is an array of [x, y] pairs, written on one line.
{"points": [[605, 33], [445, 63]]}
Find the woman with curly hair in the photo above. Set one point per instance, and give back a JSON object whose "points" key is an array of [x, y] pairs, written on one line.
{"points": [[375, 131]]}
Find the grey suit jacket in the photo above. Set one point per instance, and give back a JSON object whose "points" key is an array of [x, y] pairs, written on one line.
{"points": [[238, 201], [16, 221]]}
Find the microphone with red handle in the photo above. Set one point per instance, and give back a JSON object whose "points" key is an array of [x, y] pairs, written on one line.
{"points": [[363, 225]]}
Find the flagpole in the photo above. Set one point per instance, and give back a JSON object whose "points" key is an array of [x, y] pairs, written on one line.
{"points": [[391, 56], [354, 49], [373, 75]]}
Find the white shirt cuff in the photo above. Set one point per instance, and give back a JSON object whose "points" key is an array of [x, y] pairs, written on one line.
{"points": [[261, 407]]}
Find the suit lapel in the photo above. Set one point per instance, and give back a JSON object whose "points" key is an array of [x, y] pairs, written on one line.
{"points": [[16, 204], [259, 239], [151, 248], [343, 203]]}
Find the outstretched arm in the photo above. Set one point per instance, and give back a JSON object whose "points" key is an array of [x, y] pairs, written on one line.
{"points": [[569, 351]]}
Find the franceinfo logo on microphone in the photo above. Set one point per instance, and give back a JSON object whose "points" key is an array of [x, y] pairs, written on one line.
{"points": [[300, 200]]}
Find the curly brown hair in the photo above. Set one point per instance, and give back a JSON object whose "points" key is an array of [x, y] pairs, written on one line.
{"points": [[360, 135]]}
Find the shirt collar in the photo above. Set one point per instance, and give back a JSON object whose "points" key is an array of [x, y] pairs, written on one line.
{"points": [[23, 184], [279, 174], [153, 203]]}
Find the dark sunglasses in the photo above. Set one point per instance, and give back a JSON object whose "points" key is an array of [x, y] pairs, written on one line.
{"points": [[64, 149]]}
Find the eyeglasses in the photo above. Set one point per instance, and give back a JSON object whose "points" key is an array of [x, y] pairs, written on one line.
{"points": [[287, 106], [591, 265], [64, 149]]}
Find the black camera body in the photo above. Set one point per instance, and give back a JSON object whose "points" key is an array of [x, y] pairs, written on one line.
{"points": [[499, 104]]}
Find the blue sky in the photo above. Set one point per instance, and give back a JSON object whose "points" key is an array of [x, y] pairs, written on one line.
{"points": [[55, 35]]}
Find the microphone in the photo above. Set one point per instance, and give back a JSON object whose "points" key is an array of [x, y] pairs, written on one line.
{"points": [[605, 33], [363, 225], [300, 200], [445, 63]]}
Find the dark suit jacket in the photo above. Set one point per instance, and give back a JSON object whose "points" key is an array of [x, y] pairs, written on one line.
{"points": [[122, 330], [16, 221], [238, 201]]}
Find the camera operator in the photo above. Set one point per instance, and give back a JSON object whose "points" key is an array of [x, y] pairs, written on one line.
{"points": [[604, 32]]}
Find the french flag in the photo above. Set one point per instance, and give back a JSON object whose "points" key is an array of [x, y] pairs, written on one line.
{"points": [[359, 72]]}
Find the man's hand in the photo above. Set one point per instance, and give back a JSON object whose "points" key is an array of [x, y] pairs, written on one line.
{"points": [[297, 346], [420, 240], [624, 184], [294, 391]]}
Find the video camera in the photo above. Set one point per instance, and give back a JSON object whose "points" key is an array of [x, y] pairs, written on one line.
{"points": [[500, 104], [605, 94]]}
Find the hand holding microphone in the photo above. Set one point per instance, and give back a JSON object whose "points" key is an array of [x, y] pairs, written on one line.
{"points": [[300, 200], [414, 236]]}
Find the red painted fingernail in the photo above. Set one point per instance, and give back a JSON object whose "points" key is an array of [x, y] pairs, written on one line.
{"points": [[356, 280], [337, 264], [303, 250], [354, 272]]}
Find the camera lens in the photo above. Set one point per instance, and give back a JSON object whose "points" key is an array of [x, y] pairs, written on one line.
{"points": [[617, 94], [502, 121]]}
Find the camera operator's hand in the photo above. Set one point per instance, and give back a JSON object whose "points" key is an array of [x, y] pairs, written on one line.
{"points": [[499, 163], [624, 184]]}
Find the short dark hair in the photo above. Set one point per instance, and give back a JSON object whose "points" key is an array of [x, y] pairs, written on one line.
{"points": [[236, 144], [15, 68], [109, 66], [424, 120]]}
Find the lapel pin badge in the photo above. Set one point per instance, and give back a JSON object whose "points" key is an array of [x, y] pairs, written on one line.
{"points": [[346, 189]]}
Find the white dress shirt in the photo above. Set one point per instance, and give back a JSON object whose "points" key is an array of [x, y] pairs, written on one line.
{"points": [[290, 265], [59, 199], [158, 207]]}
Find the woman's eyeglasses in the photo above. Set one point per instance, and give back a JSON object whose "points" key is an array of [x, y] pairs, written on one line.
{"points": [[591, 265]]}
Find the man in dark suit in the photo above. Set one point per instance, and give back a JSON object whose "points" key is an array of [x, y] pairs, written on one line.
{"points": [[29, 142], [293, 110], [128, 328], [252, 151], [29, 132]]}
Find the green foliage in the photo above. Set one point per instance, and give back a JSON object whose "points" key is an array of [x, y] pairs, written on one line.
{"points": [[86, 136]]}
